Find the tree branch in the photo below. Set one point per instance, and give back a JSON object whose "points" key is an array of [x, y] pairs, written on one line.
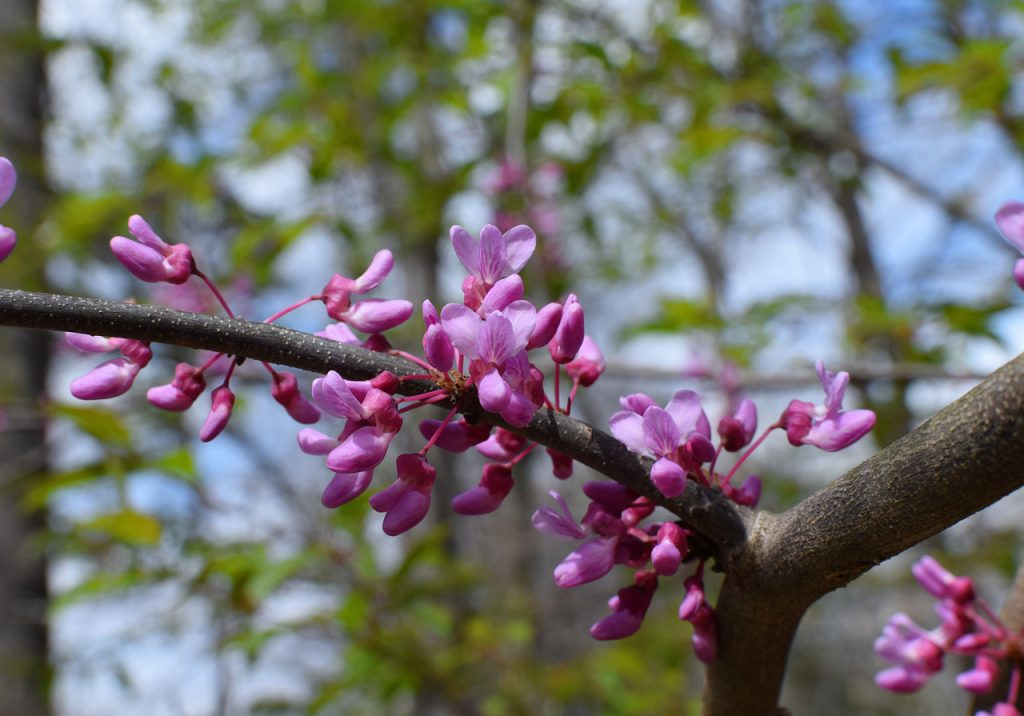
{"points": [[706, 510]]}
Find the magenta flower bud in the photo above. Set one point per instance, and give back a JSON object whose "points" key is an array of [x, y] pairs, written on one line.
{"points": [[285, 390], [548, 319], [90, 344], [345, 487], [630, 607], [364, 449], [107, 380], [569, 335], [610, 494], [456, 436], [738, 429], [222, 400], [588, 365], [940, 583], [668, 477], [1002, 709], [502, 445], [8, 179], [691, 603], [750, 493], [495, 484], [180, 393], [901, 679], [561, 464], [668, 554], [380, 266], [1010, 221], [149, 257], [828, 428], [705, 635], [407, 500], [8, 240], [981, 678]]}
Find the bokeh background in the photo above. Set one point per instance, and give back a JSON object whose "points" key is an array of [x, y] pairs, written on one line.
{"points": [[734, 189]]}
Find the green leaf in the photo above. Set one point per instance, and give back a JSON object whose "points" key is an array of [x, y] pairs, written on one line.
{"points": [[128, 526], [103, 424]]}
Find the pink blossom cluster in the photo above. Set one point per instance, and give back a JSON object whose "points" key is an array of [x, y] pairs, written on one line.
{"points": [[967, 627], [486, 346]]}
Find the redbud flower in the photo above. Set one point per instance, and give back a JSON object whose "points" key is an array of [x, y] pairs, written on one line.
{"points": [[1001, 709], [678, 436], [372, 423], [407, 500], [668, 554], [345, 487], [548, 319], [981, 678], [594, 558], [495, 484], [737, 430], [222, 400], [941, 584], [826, 427], [495, 256], [372, 315], [113, 377], [588, 365], [456, 436], [149, 257], [437, 347], [629, 606], [569, 336], [181, 392], [911, 648], [1010, 220], [285, 390]]}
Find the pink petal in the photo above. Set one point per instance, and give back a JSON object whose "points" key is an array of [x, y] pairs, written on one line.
{"points": [[378, 270], [669, 477], [314, 442], [408, 511], [545, 325], [362, 450], [222, 401], [8, 240], [1010, 220], [558, 523], [628, 429], [142, 261], [523, 317], [492, 254], [502, 293], [591, 560], [376, 315], [345, 487], [841, 431], [463, 326], [494, 392], [8, 179], [334, 396], [107, 380], [339, 332], [142, 231], [520, 243], [661, 433], [687, 413], [89, 344], [467, 249]]}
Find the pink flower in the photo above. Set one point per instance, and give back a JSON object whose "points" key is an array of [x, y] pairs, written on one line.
{"points": [[678, 436], [495, 256], [372, 422], [149, 257], [629, 607], [407, 500], [594, 558], [912, 649], [826, 427], [737, 430], [372, 315], [569, 336], [940, 583], [495, 484], [588, 365], [113, 377], [222, 400], [180, 393], [670, 550], [285, 390]]}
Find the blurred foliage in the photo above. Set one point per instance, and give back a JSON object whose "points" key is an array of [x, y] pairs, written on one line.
{"points": [[674, 132]]}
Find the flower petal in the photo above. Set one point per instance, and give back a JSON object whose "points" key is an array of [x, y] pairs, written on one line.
{"points": [[520, 243], [467, 249]]}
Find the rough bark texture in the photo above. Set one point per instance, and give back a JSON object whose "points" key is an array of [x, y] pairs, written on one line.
{"points": [[963, 459]]}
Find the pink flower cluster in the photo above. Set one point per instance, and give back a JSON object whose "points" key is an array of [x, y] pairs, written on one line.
{"points": [[486, 346], [967, 627]]}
